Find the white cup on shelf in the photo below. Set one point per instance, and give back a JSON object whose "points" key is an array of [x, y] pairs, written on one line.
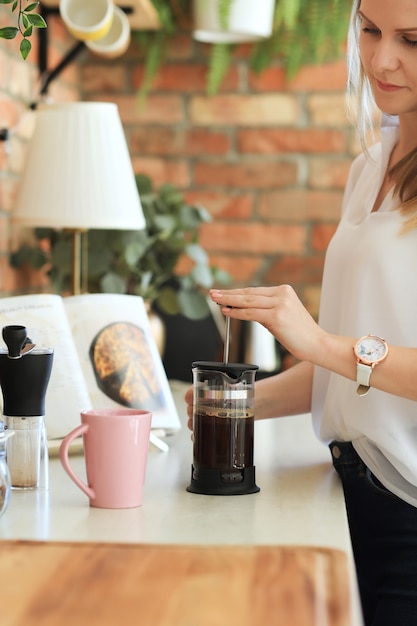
{"points": [[117, 39]]}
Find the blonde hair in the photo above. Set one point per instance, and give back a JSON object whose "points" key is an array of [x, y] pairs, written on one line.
{"points": [[362, 109]]}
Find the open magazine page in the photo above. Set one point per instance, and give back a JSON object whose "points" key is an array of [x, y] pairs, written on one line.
{"points": [[47, 326], [119, 357]]}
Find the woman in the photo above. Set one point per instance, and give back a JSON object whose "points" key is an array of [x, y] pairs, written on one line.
{"points": [[363, 400]]}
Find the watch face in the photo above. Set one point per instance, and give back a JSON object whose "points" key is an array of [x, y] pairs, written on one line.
{"points": [[371, 349]]}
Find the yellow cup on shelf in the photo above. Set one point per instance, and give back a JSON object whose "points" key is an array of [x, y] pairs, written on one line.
{"points": [[87, 20]]}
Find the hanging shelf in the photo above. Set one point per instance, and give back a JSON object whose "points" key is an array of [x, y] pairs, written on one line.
{"points": [[142, 16]]}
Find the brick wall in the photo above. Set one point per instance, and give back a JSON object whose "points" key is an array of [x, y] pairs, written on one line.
{"points": [[267, 158], [19, 87]]}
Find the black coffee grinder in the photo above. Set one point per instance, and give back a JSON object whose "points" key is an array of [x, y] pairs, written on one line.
{"points": [[24, 376]]}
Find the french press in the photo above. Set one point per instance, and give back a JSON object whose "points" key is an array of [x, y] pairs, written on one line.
{"points": [[223, 428]]}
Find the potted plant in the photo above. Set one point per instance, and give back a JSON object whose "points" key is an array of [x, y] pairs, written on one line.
{"points": [[144, 262]]}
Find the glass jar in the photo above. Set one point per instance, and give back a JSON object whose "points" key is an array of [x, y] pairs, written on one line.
{"points": [[4, 475]]}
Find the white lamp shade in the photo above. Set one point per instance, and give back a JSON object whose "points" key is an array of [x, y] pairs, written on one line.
{"points": [[78, 172], [249, 20]]}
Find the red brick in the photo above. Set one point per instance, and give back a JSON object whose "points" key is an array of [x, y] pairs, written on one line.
{"points": [[179, 48], [246, 174], [253, 238], [309, 140], [242, 269], [271, 79], [300, 205], [104, 78], [327, 77], [222, 205], [177, 78], [243, 110], [295, 270], [156, 109], [10, 111], [202, 141], [162, 171], [327, 109], [184, 78], [321, 235], [176, 141], [328, 173], [57, 30]]}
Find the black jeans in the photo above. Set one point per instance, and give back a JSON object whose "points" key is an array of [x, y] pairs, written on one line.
{"points": [[383, 530]]}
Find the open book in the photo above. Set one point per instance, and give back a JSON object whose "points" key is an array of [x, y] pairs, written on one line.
{"points": [[104, 356]]}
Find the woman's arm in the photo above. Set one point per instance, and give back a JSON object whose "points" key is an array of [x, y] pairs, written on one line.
{"points": [[281, 312], [287, 393]]}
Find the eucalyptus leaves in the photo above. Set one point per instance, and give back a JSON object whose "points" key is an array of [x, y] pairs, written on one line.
{"points": [[27, 20]]}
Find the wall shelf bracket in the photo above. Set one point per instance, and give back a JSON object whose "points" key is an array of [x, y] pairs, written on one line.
{"points": [[47, 75]]}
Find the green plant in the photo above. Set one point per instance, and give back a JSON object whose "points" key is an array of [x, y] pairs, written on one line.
{"points": [[27, 19], [304, 32], [138, 262]]}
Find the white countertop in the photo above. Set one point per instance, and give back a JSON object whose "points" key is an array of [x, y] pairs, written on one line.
{"points": [[300, 501]]}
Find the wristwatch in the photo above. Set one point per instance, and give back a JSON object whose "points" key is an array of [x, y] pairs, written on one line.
{"points": [[369, 351]]}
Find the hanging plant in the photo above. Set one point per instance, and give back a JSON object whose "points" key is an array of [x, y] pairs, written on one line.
{"points": [[27, 20], [304, 32]]}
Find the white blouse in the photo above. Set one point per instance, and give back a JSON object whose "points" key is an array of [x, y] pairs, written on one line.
{"points": [[370, 286]]}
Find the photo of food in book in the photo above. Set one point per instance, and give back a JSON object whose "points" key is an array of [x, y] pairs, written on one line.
{"points": [[123, 366]]}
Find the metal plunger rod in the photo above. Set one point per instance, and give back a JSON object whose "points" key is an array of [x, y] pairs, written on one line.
{"points": [[227, 342]]}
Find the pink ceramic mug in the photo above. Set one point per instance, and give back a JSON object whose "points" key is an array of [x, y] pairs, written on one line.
{"points": [[116, 443]]}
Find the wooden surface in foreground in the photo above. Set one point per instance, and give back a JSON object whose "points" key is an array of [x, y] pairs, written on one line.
{"points": [[46, 584]]}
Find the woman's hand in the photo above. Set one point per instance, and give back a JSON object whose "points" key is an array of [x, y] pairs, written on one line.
{"points": [[279, 310]]}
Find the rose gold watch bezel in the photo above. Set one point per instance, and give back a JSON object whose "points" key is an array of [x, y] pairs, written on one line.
{"points": [[361, 359]]}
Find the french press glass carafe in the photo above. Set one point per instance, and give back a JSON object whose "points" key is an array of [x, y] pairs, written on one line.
{"points": [[223, 426]]}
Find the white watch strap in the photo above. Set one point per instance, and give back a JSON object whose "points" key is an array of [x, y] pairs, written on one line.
{"points": [[363, 374]]}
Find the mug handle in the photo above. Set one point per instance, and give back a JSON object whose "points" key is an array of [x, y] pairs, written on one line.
{"points": [[63, 455]]}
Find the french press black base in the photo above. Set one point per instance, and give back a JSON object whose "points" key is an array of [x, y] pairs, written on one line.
{"points": [[214, 482]]}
